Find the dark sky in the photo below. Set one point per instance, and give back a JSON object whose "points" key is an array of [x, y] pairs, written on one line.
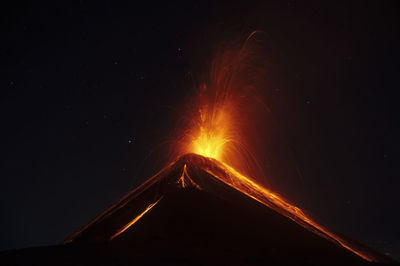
{"points": [[91, 91]]}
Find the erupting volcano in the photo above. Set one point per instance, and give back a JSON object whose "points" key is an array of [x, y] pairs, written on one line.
{"points": [[209, 204]]}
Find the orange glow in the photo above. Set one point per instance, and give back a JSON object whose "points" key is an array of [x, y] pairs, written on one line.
{"points": [[181, 180], [137, 218], [212, 133], [219, 119], [185, 181]]}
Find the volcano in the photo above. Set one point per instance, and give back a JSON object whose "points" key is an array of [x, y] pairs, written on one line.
{"points": [[198, 210]]}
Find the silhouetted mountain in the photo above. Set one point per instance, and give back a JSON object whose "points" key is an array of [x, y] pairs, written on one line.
{"points": [[198, 211]]}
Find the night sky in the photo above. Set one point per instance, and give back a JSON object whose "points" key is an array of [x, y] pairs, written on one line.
{"points": [[92, 92]]}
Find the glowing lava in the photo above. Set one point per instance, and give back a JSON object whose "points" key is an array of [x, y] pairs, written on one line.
{"points": [[219, 120], [137, 218], [212, 133]]}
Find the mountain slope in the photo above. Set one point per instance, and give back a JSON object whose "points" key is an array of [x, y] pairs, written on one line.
{"points": [[200, 211]]}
